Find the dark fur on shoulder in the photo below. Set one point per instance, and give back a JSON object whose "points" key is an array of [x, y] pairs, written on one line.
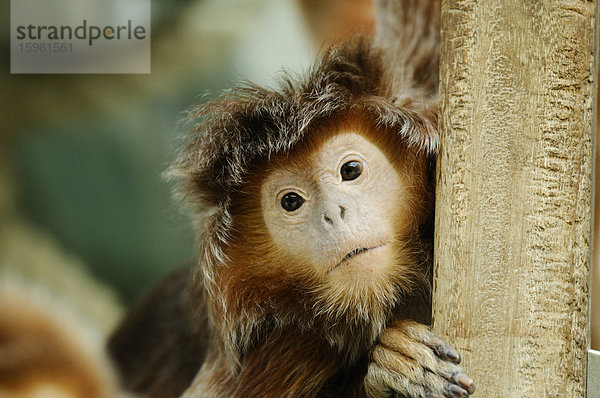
{"points": [[160, 346]]}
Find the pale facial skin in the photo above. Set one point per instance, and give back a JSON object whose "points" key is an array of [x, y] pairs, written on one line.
{"points": [[337, 213]]}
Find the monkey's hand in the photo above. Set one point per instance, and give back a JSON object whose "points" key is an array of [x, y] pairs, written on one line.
{"points": [[411, 361]]}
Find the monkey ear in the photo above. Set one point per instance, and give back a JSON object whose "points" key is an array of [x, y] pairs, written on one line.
{"points": [[424, 134], [415, 123], [428, 111], [354, 66]]}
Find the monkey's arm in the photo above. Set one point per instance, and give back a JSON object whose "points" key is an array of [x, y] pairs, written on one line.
{"points": [[155, 347]]}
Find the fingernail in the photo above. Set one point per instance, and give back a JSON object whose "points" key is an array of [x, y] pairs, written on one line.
{"points": [[453, 355], [471, 388], [457, 391], [464, 381]]}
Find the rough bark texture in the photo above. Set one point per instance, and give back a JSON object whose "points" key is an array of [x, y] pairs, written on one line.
{"points": [[513, 215], [595, 304]]}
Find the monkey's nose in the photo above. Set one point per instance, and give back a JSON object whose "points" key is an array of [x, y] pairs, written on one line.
{"points": [[329, 220], [342, 212]]}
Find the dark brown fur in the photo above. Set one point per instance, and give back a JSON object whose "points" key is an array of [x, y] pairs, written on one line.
{"points": [[259, 329], [160, 346]]}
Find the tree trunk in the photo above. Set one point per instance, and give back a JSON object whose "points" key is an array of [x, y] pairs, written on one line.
{"points": [[514, 187]]}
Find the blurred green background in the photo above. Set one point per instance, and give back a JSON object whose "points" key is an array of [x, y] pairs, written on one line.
{"points": [[81, 156]]}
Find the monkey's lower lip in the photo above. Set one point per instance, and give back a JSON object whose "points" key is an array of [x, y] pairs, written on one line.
{"points": [[355, 253]]}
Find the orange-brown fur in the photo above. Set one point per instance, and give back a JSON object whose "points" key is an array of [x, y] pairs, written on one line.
{"points": [[44, 346], [330, 21]]}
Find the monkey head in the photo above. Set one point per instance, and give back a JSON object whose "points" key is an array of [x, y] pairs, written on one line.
{"points": [[334, 212], [310, 200]]}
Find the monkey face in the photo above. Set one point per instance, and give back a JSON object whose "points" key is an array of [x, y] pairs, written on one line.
{"points": [[336, 210]]}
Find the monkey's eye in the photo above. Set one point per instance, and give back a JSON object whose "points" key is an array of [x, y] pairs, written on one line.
{"points": [[292, 201], [351, 170]]}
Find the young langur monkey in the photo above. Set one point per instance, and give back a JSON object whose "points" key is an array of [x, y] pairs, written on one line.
{"points": [[314, 207]]}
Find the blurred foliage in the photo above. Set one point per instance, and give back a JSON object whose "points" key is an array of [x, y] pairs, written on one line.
{"points": [[83, 154]]}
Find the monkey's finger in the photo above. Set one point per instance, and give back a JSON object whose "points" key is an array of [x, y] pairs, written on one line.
{"points": [[455, 376], [427, 355], [454, 391], [380, 382], [464, 381], [396, 363], [442, 350], [424, 335], [410, 349], [449, 390]]}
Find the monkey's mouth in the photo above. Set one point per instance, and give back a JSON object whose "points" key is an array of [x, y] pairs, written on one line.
{"points": [[355, 253]]}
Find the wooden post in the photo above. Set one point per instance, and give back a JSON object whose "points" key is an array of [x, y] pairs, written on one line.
{"points": [[514, 184]]}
